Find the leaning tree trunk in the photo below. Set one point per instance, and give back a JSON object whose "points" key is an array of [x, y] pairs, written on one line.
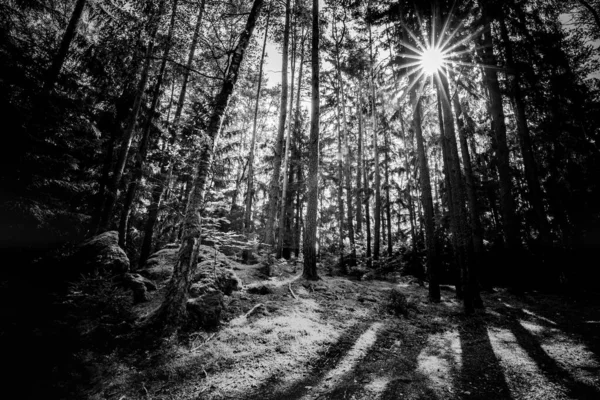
{"points": [[143, 146], [274, 185], [310, 227], [173, 308], [166, 170], [61, 55]]}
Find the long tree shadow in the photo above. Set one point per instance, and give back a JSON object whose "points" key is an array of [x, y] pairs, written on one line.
{"points": [[277, 386], [577, 314], [547, 364], [481, 375]]}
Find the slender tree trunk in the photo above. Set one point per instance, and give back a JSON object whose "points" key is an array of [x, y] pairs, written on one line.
{"points": [[142, 153], [295, 172], [166, 168], [110, 198], [377, 210], [61, 55], [433, 261], [359, 164], [250, 185], [411, 210], [469, 178], [173, 308], [367, 199], [274, 186], [310, 227], [524, 136], [388, 210], [282, 239]]}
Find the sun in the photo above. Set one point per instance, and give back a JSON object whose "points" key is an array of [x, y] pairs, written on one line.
{"points": [[432, 60]]}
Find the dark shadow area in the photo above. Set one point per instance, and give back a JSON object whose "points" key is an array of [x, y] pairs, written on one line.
{"points": [[481, 377], [548, 365]]}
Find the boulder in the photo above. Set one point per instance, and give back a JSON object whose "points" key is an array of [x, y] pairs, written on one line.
{"points": [[205, 311], [200, 288], [101, 253], [225, 281], [139, 285]]}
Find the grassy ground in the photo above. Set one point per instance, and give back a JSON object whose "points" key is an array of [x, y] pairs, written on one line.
{"points": [[336, 339]]}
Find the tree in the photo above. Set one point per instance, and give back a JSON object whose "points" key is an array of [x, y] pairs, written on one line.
{"points": [[310, 226], [173, 308]]}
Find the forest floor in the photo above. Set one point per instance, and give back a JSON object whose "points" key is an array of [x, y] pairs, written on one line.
{"points": [[336, 339]]}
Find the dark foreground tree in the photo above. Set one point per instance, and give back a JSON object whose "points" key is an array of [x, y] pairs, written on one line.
{"points": [[310, 227], [172, 311]]}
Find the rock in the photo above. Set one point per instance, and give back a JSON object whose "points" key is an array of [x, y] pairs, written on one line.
{"points": [[226, 280], [198, 289], [101, 253], [140, 286], [205, 310]]}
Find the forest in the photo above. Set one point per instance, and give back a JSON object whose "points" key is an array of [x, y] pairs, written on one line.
{"points": [[295, 199]]}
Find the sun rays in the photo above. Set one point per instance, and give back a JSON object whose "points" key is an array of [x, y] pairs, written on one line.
{"points": [[434, 54]]}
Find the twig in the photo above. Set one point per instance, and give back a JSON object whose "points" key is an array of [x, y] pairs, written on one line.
{"points": [[252, 310], [291, 291], [203, 343]]}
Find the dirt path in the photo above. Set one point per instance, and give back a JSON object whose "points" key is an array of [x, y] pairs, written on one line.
{"points": [[335, 339]]}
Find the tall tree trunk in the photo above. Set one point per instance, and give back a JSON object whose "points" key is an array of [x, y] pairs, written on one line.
{"points": [[458, 210], [524, 136], [509, 217], [310, 227], [377, 183], [296, 161], [166, 168], [359, 164], [250, 185], [173, 308], [282, 239], [142, 153], [274, 185], [367, 199], [433, 260], [469, 178], [61, 55], [388, 210]]}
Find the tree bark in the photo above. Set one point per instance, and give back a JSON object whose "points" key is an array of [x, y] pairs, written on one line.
{"points": [[173, 308], [274, 185], [310, 227]]}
